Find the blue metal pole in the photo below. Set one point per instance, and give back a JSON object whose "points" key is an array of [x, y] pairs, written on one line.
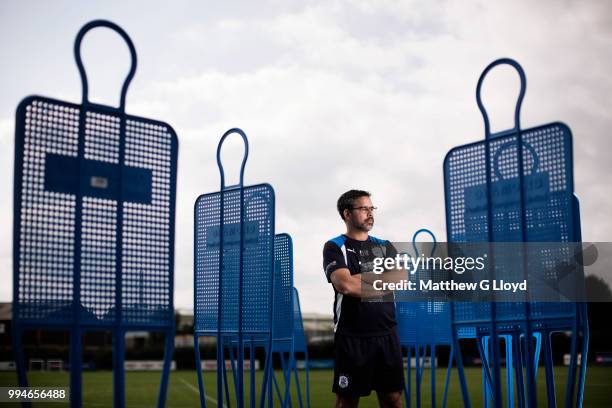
{"points": [[485, 375], [488, 385], [296, 373], [509, 376], [536, 357], [163, 388], [433, 374], [417, 375], [220, 364], [270, 394], [266, 379], [518, 369], [408, 385], [76, 363], [19, 356], [225, 383], [571, 373], [583, 356], [459, 361], [198, 363], [550, 377], [20, 360], [448, 374], [287, 375], [276, 388], [119, 368], [252, 380]]}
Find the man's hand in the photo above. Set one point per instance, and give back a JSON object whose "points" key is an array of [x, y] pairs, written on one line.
{"points": [[360, 285]]}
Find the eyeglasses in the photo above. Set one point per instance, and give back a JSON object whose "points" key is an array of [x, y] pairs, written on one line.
{"points": [[365, 209]]}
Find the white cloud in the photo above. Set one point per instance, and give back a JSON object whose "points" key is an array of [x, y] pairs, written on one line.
{"points": [[366, 94]]}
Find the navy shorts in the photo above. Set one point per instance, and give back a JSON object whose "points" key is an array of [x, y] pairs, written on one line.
{"points": [[363, 364]]}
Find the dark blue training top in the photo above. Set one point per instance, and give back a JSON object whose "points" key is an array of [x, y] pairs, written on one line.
{"points": [[352, 316]]}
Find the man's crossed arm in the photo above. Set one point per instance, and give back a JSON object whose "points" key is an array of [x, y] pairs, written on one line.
{"points": [[362, 285]]}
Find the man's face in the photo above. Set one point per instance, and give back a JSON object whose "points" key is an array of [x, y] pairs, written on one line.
{"points": [[361, 217]]}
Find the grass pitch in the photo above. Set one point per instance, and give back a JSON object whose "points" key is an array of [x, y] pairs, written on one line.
{"points": [[142, 388]]}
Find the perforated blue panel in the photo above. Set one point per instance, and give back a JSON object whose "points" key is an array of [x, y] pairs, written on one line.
{"points": [[547, 182], [406, 314], [299, 338], [548, 194], [213, 288], [66, 248], [424, 322], [283, 288]]}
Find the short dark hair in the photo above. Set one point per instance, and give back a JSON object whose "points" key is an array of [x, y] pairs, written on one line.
{"points": [[347, 200]]}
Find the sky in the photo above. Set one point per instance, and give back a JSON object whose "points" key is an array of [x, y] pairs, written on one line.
{"points": [[333, 95]]}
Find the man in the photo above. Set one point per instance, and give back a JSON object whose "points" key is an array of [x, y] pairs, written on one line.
{"points": [[366, 346]]}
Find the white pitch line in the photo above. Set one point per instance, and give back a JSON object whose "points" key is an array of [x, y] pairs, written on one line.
{"points": [[197, 391]]}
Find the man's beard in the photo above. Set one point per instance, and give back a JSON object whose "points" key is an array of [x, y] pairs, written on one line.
{"points": [[365, 226]]}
